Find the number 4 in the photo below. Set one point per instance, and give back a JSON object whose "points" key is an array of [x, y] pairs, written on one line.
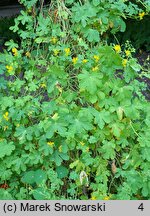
{"points": [[141, 207]]}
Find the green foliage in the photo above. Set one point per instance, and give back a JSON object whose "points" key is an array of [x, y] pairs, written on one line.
{"points": [[37, 177], [6, 148], [72, 112]]}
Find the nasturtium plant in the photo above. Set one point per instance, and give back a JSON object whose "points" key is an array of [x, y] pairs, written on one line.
{"points": [[73, 118]]}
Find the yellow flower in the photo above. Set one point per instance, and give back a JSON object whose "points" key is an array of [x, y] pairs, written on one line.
{"points": [[9, 68], [56, 52], [84, 61], [96, 58], [87, 149], [54, 40], [124, 62], [107, 197], [28, 54], [60, 148], [14, 51], [93, 198], [117, 48], [82, 143], [59, 88], [127, 52], [43, 85], [95, 68], [74, 60], [6, 116], [30, 113], [5, 128], [50, 143], [29, 10], [141, 15], [67, 51], [55, 116]]}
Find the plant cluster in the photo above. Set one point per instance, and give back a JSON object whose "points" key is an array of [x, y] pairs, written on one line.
{"points": [[74, 123]]}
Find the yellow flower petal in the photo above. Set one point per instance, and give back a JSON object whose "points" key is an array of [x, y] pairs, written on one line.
{"points": [[5, 116], [95, 68], [87, 149], [9, 68], [74, 60], [117, 48], [56, 52], [84, 61], [67, 51], [55, 116], [50, 143], [127, 52], [141, 15], [124, 62], [54, 40], [15, 51], [106, 198], [43, 85], [96, 58], [82, 143], [93, 198], [28, 54]]}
